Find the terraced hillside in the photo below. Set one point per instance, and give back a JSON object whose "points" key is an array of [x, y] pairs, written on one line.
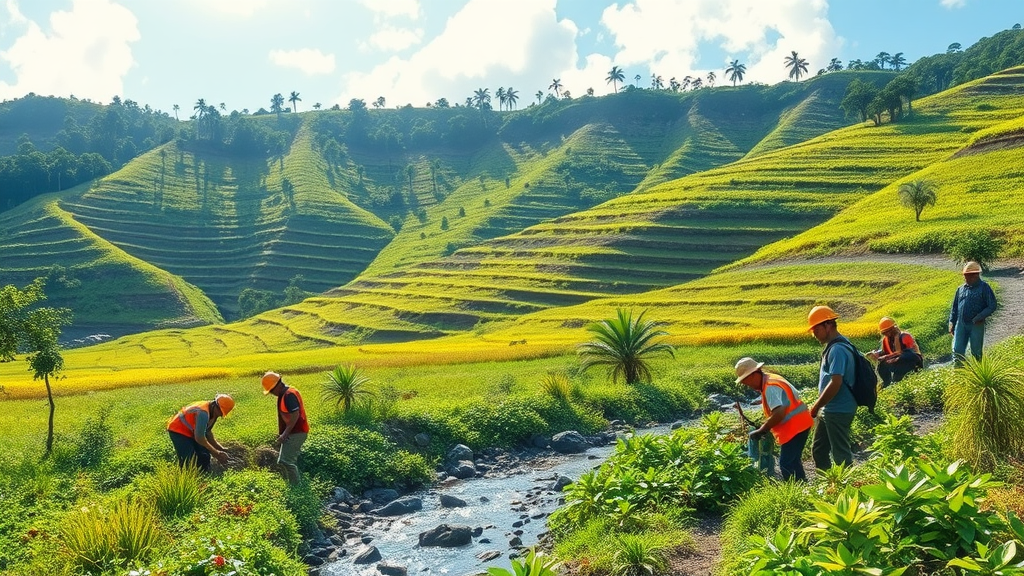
{"points": [[110, 291], [227, 224], [669, 234]]}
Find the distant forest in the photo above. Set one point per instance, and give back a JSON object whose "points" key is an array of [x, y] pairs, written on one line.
{"points": [[50, 144]]}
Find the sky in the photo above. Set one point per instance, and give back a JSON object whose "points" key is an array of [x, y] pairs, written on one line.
{"points": [[242, 52]]}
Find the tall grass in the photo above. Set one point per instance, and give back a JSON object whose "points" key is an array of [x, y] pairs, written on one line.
{"points": [[984, 403], [762, 511], [176, 491], [558, 386], [99, 539], [638, 555]]}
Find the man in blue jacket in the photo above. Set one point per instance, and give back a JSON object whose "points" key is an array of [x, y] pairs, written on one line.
{"points": [[973, 303]]}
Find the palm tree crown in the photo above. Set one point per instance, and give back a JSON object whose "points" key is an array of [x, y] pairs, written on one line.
{"points": [[344, 384], [556, 86], [293, 99], [511, 97], [918, 194], [615, 76], [797, 66], [624, 344], [736, 71]]}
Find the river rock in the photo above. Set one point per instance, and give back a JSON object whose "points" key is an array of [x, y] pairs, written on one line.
{"points": [[540, 440], [367, 555], [677, 425], [460, 452], [381, 495], [312, 560], [477, 531], [341, 495], [391, 569], [489, 555], [422, 439], [560, 483], [447, 536], [569, 442], [404, 505], [515, 542], [462, 470], [451, 501]]}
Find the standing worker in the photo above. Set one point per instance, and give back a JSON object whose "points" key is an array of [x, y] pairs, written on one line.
{"points": [[973, 303], [787, 416], [898, 354], [835, 407], [191, 432], [292, 426]]}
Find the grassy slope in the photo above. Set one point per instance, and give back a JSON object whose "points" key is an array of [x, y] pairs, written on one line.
{"points": [[978, 179], [117, 292]]}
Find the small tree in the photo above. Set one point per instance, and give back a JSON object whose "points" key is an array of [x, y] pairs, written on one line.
{"points": [[624, 344], [918, 194], [344, 384]]}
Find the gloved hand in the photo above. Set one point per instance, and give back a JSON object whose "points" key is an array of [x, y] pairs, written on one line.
{"points": [[756, 434]]}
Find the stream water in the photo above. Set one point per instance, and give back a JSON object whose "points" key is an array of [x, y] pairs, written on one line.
{"points": [[493, 504]]}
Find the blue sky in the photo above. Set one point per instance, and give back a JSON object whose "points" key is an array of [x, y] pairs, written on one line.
{"points": [[241, 52]]}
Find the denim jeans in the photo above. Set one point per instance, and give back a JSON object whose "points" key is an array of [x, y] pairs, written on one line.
{"points": [[790, 462], [832, 440], [965, 333]]}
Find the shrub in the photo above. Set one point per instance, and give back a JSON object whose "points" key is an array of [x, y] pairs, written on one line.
{"points": [[895, 440], [356, 459], [89, 449], [176, 491], [984, 403], [100, 539], [344, 385], [535, 564], [771, 506], [978, 245], [558, 386], [638, 555]]}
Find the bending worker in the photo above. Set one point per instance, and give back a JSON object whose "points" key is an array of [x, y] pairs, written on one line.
{"points": [[787, 416], [292, 426], [898, 354], [191, 432]]}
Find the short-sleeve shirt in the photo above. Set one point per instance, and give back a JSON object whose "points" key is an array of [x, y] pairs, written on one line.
{"points": [[775, 396], [203, 427], [838, 361]]}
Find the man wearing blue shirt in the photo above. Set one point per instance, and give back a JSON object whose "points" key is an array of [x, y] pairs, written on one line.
{"points": [[973, 303], [835, 407]]}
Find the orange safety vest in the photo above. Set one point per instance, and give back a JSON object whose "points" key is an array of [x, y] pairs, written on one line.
{"points": [[302, 425], [796, 419], [901, 343], [184, 422]]}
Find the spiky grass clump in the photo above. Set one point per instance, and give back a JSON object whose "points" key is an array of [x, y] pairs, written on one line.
{"points": [[638, 555], [176, 491], [984, 403], [99, 539], [558, 386]]}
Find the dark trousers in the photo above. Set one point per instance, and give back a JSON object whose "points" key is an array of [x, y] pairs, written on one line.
{"points": [[188, 450], [892, 373], [832, 440], [790, 462]]}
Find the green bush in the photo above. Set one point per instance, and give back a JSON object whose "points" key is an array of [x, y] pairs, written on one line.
{"points": [[638, 555], [175, 491], [984, 403], [87, 450], [769, 507], [979, 245], [919, 392], [643, 403], [357, 459], [100, 538]]}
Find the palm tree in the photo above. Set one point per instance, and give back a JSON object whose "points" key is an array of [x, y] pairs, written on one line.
{"points": [[918, 195], [200, 111], [624, 345], [711, 78], [223, 107], [736, 71], [380, 102], [556, 87], [615, 76], [176, 108], [539, 95], [697, 84], [673, 84], [637, 80], [293, 99], [834, 65], [482, 97], [344, 384], [898, 61], [511, 97], [500, 94], [882, 59], [277, 104], [656, 82], [686, 82], [797, 65]]}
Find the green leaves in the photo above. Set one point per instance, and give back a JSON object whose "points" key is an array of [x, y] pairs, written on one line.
{"points": [[345, 384], [624, 345]]}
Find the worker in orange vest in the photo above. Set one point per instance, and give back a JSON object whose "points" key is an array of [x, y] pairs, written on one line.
{"points": [[898, 354], [191, 431], [787, 416], [292, 425]]}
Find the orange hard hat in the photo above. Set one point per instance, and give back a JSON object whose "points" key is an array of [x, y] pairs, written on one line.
{"points": [[885, 323], [269, 380], [820, 314], [225, 403]]}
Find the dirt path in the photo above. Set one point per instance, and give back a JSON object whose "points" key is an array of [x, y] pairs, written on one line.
{"points": [[1008, 274]]}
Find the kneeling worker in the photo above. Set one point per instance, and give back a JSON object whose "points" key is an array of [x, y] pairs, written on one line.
{"points": [[787, 416], [898, 354], [191, 431]]}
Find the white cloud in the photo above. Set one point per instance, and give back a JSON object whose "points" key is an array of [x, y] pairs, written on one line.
{"points": [[391, 39], [310, 61], [244, 8], [15, 15], [86, 51], [953, 3], [666, 35], [393, 8], [480, 46]]}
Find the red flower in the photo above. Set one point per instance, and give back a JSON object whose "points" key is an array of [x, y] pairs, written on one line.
{"points": [[218, 560]]}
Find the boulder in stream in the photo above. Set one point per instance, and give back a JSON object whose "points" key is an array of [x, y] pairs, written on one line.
{"points": [[460, 452], [367, 555], [391, 569], [462, 470], [404, 505], [569, 442], [447, 536], [451, 501], [560, 483]]}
